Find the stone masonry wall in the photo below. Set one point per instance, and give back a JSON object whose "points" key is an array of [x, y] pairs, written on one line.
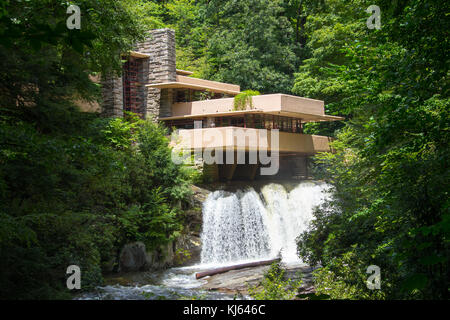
{"points": [[112, 95], [161, 67]]}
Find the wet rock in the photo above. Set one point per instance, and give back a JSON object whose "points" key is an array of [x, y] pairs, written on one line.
{"points": [[199, 195], [238, 281], [193, 221], [188, 250], [161, 257], [133, 257]]}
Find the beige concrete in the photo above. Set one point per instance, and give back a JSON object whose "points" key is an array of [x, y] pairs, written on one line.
{"points": [[308, 110], [250, 139], [184, 72], [198, 84], [138, 55]]}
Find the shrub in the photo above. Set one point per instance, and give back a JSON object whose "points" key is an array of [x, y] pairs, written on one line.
{"points": [[243, 100], [274, 287], [77, 193]]}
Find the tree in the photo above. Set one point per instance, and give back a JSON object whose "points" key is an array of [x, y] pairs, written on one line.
{"points": [[251, 45], [390, 205], [74, 187]]}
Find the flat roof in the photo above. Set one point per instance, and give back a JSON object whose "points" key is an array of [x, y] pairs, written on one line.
{"points": [[184, 82], [184, 72], [186, 85], [138, 55]]}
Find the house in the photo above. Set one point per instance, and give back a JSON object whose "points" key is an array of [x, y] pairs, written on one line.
{"points": [[152, 87]]}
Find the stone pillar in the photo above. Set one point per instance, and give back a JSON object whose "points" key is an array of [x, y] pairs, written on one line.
{"points": [[161, 67], [112, 95]]}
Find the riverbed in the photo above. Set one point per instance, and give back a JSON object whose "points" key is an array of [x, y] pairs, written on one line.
{"points": [[181, 284]]}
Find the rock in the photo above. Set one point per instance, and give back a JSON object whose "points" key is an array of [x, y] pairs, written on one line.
{"points": [[160, 258], [133, 257], [188, 250], [238, 281], [199, 195]]}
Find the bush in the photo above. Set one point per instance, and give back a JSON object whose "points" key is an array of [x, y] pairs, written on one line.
{"points": [[243, 100], [274, 287], [77, 194]]}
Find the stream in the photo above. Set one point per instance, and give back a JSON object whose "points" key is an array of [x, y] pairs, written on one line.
{"points": [[171, 284], [238, 226]]}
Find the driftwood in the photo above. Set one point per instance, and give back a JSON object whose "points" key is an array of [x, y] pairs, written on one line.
{"points": [[212, 272]]}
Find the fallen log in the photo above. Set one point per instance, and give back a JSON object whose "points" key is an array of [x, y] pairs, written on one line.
{"points": [[212, 272]]}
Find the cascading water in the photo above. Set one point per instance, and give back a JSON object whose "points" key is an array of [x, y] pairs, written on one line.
{"points": [[237, 226], [244, 225], [233, 227]]}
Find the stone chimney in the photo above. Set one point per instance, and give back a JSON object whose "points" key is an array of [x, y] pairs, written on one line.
{"points": [[159, 67]]}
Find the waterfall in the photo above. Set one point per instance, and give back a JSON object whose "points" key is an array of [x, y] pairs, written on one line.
{"points": [[244, 225], [233, 227]]}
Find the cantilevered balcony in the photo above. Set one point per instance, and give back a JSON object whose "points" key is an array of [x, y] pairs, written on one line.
{"points": [[308, 110], [250, 139]]}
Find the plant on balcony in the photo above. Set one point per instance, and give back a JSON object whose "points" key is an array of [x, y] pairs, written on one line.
{"points": [[204, 95], [244, 100]]}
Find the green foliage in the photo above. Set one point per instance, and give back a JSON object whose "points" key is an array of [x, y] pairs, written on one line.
{"points": [[251, 43], [182, 255], [75, 187], [390, 172], [77, 198], [243, 100], [274, 286], [328, 29], [345, 278], [188, 18], [119, 133], [44, 62]]}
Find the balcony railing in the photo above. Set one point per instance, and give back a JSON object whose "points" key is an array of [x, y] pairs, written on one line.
{"points": [[251, 139], [275, 104]]}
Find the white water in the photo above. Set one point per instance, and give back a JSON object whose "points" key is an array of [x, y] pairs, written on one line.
{"points": [[171, 284], [237, 226], [245, 225]]}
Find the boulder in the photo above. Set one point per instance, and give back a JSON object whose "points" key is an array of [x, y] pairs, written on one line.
{"points": [[133, 257], [188, 250], [161, 257]]}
